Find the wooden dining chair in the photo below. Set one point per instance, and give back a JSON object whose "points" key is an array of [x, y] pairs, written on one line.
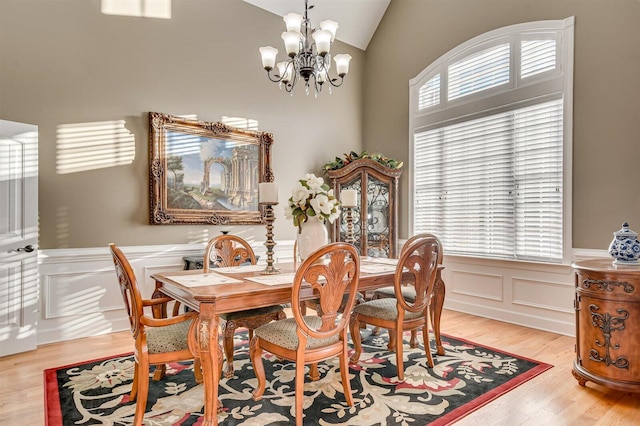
{"points": [[409, 293], [309, 339], [417, 267], [157, 340], [231, 250]]}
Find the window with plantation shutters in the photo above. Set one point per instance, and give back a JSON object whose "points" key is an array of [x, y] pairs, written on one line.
{"points": [[489, 160]]}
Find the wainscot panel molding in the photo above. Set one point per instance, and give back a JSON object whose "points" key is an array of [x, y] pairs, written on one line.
{"points": [[536, 295], [80, 297], [79, 292]]}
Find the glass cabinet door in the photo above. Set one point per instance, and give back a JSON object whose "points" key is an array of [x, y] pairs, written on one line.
{"points": [[377, 218], [375, 230]]}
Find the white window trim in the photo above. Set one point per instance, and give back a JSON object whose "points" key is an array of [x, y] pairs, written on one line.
{"points": [[419, 119]]}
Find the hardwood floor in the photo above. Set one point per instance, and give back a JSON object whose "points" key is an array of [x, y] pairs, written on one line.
{"points": [[553, 398]]}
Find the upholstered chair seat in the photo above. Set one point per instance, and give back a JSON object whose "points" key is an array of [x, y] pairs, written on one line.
{"points": [[384, 309], [169, 338], [408, 292], [283, 333]]}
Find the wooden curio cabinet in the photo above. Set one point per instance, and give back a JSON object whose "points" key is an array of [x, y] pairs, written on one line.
{"points": [[607, 324], [375, 218]]}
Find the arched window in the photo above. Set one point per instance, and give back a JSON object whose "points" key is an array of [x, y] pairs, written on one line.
{"points": [[490, 125]]}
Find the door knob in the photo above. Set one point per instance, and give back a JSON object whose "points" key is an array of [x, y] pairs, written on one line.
{"points": [[28, 248]]}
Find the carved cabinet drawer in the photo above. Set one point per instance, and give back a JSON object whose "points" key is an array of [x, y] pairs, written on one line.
{"points": [[607, 308]]}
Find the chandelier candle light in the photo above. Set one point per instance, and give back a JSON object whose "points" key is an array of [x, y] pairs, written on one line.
{"points": [[268, 197], [348, 198], [308, 59]]}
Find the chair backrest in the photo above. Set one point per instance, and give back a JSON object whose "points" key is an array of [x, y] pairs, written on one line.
{"points": [[419, 258], [332, 271], [228, 250], [129, 288]]}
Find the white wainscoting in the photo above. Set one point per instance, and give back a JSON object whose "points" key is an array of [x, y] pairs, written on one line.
{"points": [[79, 293], [536, 295], [80, 297]]}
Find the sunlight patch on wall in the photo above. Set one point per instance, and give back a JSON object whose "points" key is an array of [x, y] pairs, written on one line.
{"points": [[90, 146], [143, 8], [240, 122]]}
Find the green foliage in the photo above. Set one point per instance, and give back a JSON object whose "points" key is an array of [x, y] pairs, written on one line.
{"points": [[339, 163]]}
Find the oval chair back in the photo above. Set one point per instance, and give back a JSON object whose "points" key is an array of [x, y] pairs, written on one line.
{"points": [[228, 250]]}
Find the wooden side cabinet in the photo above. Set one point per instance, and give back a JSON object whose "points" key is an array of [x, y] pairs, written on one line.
{"points": [[375, 226], [607, 324]]}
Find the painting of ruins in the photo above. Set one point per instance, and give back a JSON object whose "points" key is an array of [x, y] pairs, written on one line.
{"points": [[204, 172]]}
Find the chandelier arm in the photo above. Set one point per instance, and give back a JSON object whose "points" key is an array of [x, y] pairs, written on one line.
{"points": [[331, 80], [273, 77]]}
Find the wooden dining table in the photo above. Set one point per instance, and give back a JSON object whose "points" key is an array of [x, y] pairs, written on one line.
{"points": [[234, 289]]}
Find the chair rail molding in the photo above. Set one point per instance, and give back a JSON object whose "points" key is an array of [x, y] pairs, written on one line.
{"points": [[79, 292]]}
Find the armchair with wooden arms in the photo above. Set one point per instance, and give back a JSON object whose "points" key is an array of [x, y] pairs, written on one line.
{"points": [[417, 268], [231, 250], [157, 340], [313, 338]]}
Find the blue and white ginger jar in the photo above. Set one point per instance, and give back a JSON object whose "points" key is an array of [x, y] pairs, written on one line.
{"points": [[625, 247]]}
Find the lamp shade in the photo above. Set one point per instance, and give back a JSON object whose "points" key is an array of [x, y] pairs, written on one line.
{"points": [[268, 54], [291, 42], [323, 41], [331, 26], [342, 64], [293, 21]]}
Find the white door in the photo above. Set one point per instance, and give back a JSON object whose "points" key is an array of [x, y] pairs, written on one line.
{"points": [[18, 237]]}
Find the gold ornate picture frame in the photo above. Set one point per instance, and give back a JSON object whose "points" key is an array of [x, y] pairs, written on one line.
{"points": [[205, 172]]}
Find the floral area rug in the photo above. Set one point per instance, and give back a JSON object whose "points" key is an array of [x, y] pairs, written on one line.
{"points": [[466, 377]]}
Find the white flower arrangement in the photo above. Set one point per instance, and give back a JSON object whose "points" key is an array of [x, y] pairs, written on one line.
{"points": [[312, 199]]}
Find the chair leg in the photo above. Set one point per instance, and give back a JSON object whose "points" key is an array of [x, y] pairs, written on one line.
{"points": [[303, 308], [413, 343], [427, 348], [399, 360], [344, 374], [299, 389], [228, 351], [228, 330], [391, 344], [134, 385], [159, 372], [143, 389], [255, 352], [354, 329], [314, 374]]}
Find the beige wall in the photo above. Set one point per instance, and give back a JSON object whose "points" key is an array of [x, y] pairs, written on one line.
{"points": [[606, 145], [63, 62]]}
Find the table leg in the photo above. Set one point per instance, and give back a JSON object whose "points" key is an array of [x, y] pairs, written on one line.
{"points": [[436, 310], [209, 350]]}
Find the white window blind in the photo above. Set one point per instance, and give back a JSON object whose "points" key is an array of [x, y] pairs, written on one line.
{"points": [[537, 56], [492, 186], [480, 71], [429, 93]]}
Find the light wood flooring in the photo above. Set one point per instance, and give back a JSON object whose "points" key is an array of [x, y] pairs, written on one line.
{"points": [[552, 398]]}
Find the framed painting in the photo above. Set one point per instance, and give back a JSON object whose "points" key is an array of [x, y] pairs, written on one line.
{"points": [[206, 172]]}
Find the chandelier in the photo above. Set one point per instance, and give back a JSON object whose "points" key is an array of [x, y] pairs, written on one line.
{"points": [[309, 55]]}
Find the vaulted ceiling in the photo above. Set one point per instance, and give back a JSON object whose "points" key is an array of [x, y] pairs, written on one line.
{"points": [[357, 19]]}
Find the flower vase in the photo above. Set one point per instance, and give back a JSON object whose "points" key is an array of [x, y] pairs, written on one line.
{"points": [[311, 236]]}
